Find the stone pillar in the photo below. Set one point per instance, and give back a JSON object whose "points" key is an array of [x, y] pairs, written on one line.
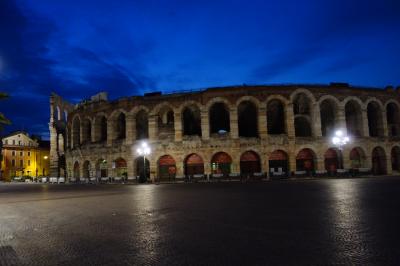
{"points": [[205, 125], [389, 169], [316, 121], [385, 124], [207, 167], [130, 166], [364, 117], [179, 168], [292, 162], [152, 127], [178, 125], [290, 120], [265, 163], [341, 118], [93, 131], [153, 168], [346, 158], [110, 132], [320, 161], [262, 122], [130, 129], [233, 117]]}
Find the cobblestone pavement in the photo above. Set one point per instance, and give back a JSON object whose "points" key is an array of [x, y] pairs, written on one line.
{"points": [[313, 222]]}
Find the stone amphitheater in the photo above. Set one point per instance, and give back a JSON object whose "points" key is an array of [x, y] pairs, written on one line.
{"points": [[248, 130]]}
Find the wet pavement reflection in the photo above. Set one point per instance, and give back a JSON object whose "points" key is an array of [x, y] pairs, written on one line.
{"points": [[305, 222]]}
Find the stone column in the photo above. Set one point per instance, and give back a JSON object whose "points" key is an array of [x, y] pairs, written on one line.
{"points": [[364, 117], [205, 125], [130, 161], [179, 168], [233, 117], [93, 131], [292, 162], [341, 118], [152, 127], [290, 120], [316, 120], [385, 124], [320, 161], [262, 122], [178, 125], [153, 168], [110, 132], [389, 169], [346, 158], [265, 163], [130, 129]]}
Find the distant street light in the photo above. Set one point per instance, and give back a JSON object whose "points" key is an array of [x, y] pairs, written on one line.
{"points": [[340, 140], [144, 150]]}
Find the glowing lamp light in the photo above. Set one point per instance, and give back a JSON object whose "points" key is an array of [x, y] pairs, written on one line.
{"points": [[340, 139]]}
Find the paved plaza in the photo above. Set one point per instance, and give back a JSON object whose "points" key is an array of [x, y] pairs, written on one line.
{"points": [[306, 222]]}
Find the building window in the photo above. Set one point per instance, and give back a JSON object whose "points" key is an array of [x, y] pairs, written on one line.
{"points": [[13, 162], [13, 153], [13, 141], [21, 163], [19, 143], [21, 153], [29, 153], [29, 162]]}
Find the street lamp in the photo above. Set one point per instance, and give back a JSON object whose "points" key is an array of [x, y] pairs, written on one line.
{"points": [[144, 150], [340, 139]]}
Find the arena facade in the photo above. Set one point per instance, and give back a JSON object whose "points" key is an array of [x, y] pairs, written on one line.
{"points": [[281, 130]]}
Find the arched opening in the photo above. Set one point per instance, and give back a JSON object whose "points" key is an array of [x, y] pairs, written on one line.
{"points": [[191, 119], [121, 168], [378, 161], [305, 160], [276, 117], [142, 125], [101, 168], [165, 123], [86, 169], [353, 115], [87, 131], [357, 158], [328, 110], [395, 156], [76, 132], [332, 160], [250, 163], [393, 119], [302, 115], [221, 163], [375, 123], [142, 167], [219, 119], [166, 167], [120, 127], [302, 126], [247, 119], [278, 162], [194, 165], [101, 128], [76, 170]]}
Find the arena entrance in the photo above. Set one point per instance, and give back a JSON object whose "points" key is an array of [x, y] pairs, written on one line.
{"points": [[76, 170], [221, 163], [332, 160], [250, 163], [357, 158], [305, 161], [142, 168], [101, 168], [121, 168], [166, 168], [379, 161], [278, 162], [194, 165]]}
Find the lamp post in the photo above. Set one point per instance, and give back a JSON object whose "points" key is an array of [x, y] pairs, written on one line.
{"points": [[340, 139], [144, 150]]}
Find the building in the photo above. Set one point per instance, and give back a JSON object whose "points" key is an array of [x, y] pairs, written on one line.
{"points": [[23, 155], [243, 129]]}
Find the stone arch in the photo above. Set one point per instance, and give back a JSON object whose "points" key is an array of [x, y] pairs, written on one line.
{"points": [[193, 164], [221, 163], [375, 119], [248, 98], [86, 169], [354, 119], [219, 117], [250, 163], [166, 167], [142, 124], [306, 160], [76, 131], [191, 120], [302, 126], [303, 113], [76, 170], [101, 168], [379, 161], [86, 130], [165, 120], [329, 107], [278, 162], [395, 158], [309, 95], [247, 112], [121, 167], [393, 118], [332, 160], [276, 118], [357, 158], [100, 127]]}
